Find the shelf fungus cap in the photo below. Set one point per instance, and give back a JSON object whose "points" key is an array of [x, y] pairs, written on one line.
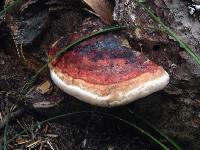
{"points": [[105, 71]]}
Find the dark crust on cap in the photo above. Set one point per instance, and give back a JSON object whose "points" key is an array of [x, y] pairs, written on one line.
{"points": [[104, 59]]}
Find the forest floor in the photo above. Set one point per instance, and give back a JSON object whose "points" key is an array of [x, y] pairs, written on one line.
{"points": [[174, 110]]}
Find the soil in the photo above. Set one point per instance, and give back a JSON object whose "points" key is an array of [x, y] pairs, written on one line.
{"points": [[174, 110]]}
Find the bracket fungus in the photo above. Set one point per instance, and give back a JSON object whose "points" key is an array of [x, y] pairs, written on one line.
{"points": [[104, 70]]}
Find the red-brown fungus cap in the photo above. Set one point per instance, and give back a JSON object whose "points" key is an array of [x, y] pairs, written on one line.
{"points": [[105, 71]]}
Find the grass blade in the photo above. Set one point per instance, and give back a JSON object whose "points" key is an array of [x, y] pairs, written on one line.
{"points": [[104, 114], [157, 130], [5, 136], [9, 7], [182, 44]]}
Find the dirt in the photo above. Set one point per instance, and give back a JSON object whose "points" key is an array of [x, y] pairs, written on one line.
{"points": [[174, 110]]}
